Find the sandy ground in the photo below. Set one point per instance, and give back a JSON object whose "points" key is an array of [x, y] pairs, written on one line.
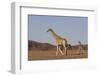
{"points": [[51, 54]]}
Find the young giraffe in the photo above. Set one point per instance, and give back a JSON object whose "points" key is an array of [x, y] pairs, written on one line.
{"points": [[80, 47], [59, 42]]}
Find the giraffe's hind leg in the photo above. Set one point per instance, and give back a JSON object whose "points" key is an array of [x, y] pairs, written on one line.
{"points": [[57, 50], [65, 49]]}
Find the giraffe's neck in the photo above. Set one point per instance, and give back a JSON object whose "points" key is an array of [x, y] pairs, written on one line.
{"points": [[54, 34]]}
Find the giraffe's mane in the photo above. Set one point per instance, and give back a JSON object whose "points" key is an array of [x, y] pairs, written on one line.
{"points": [[56, 34]]}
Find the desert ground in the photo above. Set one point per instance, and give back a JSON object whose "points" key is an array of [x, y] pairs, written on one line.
{"points": [[47, 51], [51, 54]]}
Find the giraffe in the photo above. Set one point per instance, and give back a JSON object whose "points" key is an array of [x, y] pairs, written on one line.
{"points": [[80, 47], [59, 42]]}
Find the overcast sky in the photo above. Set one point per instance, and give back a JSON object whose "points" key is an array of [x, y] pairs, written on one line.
{"points": [[72, 28]]}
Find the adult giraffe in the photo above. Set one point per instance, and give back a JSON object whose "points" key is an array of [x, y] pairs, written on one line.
{"points": [[59, 42]]}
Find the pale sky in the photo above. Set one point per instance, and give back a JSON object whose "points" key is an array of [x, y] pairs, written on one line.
{"points": [[73, 28]]}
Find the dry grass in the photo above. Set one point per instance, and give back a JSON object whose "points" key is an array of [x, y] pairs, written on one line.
{"points": [[51, 54]]}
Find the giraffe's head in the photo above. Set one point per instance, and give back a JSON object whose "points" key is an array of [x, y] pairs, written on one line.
{"points": [[49, 30]]}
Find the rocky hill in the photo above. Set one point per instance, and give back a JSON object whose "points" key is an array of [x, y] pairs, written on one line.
{"points": [[40, 46]]}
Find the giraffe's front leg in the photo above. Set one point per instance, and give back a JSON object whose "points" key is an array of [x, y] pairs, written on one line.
{"points": [[61, 51]]}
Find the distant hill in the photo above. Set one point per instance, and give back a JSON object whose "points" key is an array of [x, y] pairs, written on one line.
{"points": [[40, 46], [34, 45]]}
